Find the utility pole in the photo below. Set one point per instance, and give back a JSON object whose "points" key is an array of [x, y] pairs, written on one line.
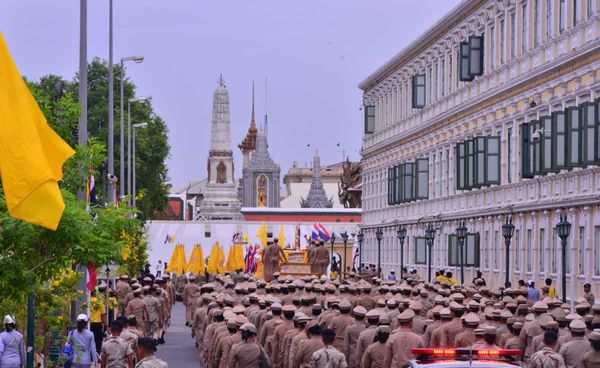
{"points": [[111, 118]]}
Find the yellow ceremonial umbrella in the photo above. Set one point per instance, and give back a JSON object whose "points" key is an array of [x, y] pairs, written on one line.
{"points": [[235, 258], [262, 235], [173, 260], [260, 267], [196, 263], [281, 237], [216, 259], [181, 261]]}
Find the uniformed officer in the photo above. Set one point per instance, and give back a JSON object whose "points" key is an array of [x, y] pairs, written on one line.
{"points": [[328, 356], [351, 336], [368, 334], [533, 328], [138, 308], [374, 356], [116, 352], [572, 351], [121, 290], [155, 315], [547, 357], [302, 358], [340, 323], [399, 345], [287, 323], [592, 357], [467, 338], [145, 354], [188, 295], [247, 354], [588, 295]]}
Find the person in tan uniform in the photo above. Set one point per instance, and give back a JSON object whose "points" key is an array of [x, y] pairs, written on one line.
{"points": [[271, 258], [399, 345], [219, 321], [374, 356], [155, 316], [121, 290], [246, 354], [437, 334], [591, 359], [293, 340], [188, 296], [547, 357], [454, 327], [435, 315], [230, 341], [467, 338], [145, 354], [115, 350], [218, 335], [267, 328], [138, 307], [538, 341], [312, 258], [303, 357], [366, 300], [328, 356], [279, 333], [132, 326], [533, 328], [340, 323], [572, 352], [351, 337], [322, 258], [514, 341], [368, 334]]}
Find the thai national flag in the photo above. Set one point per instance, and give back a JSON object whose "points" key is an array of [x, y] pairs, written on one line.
{"points": [[319, 231]]}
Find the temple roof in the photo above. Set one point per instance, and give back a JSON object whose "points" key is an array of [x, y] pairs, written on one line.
{"points": [[316, 197], [249, 141]]}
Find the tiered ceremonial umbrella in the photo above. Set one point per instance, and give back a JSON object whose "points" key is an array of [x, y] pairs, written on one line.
{"points": [[196, 263]]}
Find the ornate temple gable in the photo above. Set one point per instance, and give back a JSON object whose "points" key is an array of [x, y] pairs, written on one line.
{"points": [[316, 197]]}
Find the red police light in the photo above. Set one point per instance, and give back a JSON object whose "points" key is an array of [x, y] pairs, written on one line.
{"points": [[461, 351]]}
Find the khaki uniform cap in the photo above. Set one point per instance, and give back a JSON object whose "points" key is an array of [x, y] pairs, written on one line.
{"points": [[288, 308], [595, 335], [406, 316], [373, 314], [472, 319], [540, 307], [577, 325], [359, 311], [384, 329]]}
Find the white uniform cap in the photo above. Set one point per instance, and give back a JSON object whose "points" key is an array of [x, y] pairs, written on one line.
{"points": [[82, 317], [9, 319]]}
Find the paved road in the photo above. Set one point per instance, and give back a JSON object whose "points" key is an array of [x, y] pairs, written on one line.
{"points": [[179, 349]]}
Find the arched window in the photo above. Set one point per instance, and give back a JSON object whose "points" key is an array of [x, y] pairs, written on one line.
{"points": [[261, 191], [221, 173]]}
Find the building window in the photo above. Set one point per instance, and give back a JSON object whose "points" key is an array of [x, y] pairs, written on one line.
{"points": [[443, 76], [541, 249], [492, 47], [369, 119], [418, 91], [575, 11], [513, 36], [554, 251], [478, 163], [502, 35], [559, 140], [574, 153], [221, 173], [510, 155], [420, 250], [536, 23], [261, 195], [596, 250], [408, 182], [487, 250], [528, 251], [463, 72], [524, 29], [517, 248], [496, 250], [581, 250], [562, 12], [548, 19], [588, 124], [471, 251], [589, 9], [470, 58]]}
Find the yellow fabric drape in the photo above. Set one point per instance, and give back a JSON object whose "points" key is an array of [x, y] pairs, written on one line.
{"points": [[216, 259], [235, 258], [180, 263], [196, 263], [31, 153], [173, 260], [262, 235], [260, 267], [281, 237]]}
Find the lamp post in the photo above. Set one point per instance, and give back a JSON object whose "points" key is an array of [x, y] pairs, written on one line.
{"points": [[332, 240], [401, 233], [360, 236], [140, 99], [345, 240], [138, 59], [111, 111], [461, 234], [563, 228], [508, 229], [379, 236], [135, 126], [429, 237]]}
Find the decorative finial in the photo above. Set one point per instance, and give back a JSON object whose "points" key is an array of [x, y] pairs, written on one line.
{"points": [[221, 80], [252, 101]]}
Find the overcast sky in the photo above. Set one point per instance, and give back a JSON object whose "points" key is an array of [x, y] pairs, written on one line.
{"points": [[314, 53]]}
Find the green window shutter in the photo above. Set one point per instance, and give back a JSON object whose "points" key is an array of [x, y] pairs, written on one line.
{"points": [[409, 181], [470, 164], [525, 151], [396, 170], [537, 147], [597, 122], [422, 178], [400, 178], [559, 141], [480, 162], [574, 156], [476, 251], [452, 250], [546, 145], [588, 124], [420, 250], [390, 187], [460, 166], [475, 56], [463, 63], [492, 155], [418, 91], [369, 119]]}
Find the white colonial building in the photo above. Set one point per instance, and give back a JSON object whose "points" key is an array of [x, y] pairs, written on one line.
{"points": [[494, 111]]}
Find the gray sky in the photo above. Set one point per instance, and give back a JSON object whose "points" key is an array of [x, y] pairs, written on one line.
{"points": [[314, 53]]}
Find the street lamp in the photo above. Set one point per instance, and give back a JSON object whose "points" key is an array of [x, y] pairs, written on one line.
{"points": [[508, 229], [429, 237], [137, 59], [563, 228], [461, 234], [140, 126], [401, 233], [345, 240], [332, 240], [360, 236], [379, 236], [132, 100]]}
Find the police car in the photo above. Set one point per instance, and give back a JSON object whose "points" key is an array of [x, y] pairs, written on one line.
{"points": [[458, 358]]}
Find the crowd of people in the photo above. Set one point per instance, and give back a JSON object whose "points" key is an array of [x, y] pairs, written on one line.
{"points": [[238, 321]]}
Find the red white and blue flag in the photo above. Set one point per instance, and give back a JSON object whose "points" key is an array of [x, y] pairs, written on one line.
{"points": [[251, 252], [320, 232]]}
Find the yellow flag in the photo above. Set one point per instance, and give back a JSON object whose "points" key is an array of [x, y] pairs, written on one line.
{"points": [[246, 237], [173, 260], [216, 259], [181, 263], [31, 153], [262, 235], [196, 262], [235, 259], [281, 236]]}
